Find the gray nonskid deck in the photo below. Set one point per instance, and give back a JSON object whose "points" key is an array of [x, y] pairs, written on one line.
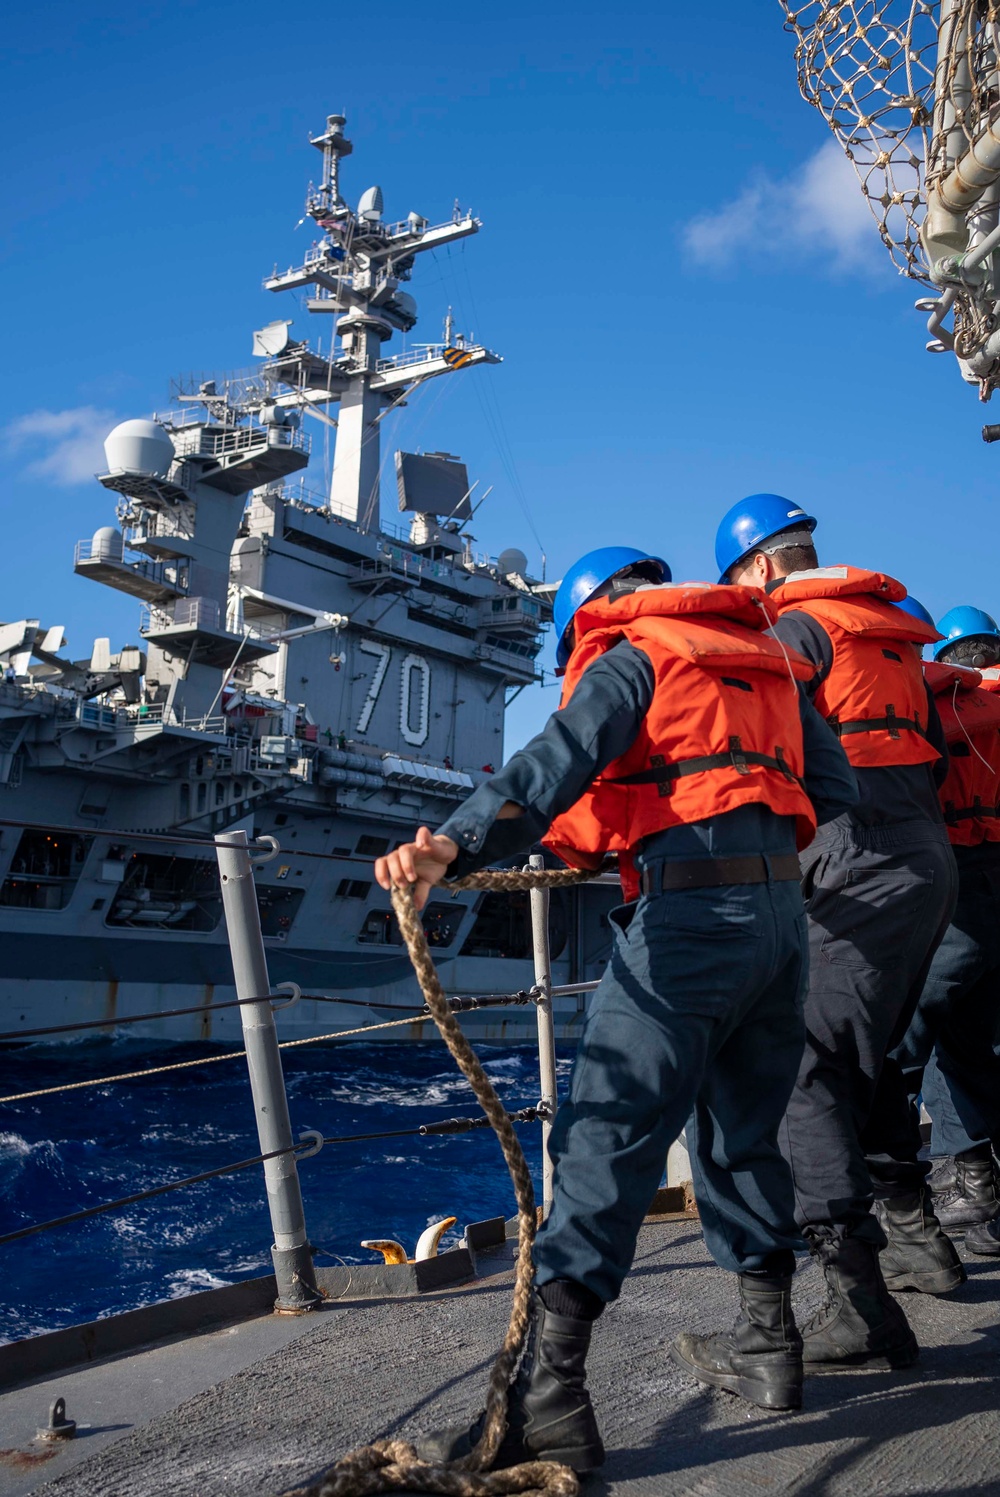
{"points": [[369, 1369]]}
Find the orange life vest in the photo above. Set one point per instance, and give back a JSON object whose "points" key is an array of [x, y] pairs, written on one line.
{"points": [[873, 697], [723, 728], [970, 716], [991, 678]]}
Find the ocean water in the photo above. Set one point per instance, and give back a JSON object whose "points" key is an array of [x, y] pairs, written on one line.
{"points": [[62, 1153]]}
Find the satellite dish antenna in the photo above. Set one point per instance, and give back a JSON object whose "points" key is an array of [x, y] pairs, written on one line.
{"points": [[269, 341], [370, 206], [512, 560]]}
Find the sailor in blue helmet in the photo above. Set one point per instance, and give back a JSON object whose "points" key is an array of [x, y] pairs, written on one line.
{"points": [[949, 1053], [762, 526], [879, 885], [699, 1008], [970, 637]]}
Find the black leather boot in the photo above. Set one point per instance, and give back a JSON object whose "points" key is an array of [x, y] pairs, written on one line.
{"points": [[860, 1325], [917, 1255], [985, 1239], [970, 1196], [549, 1413], [760, 1359]]}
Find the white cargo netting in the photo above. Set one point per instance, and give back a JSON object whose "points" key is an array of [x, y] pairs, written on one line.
{"points": [[911, 90], [868, 67]]}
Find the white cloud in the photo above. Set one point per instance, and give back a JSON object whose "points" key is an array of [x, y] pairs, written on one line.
{"points": [[62, 447], [819, 209]]}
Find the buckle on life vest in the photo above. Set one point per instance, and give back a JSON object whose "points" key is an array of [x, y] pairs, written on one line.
{"points": [[784, 766], [890, 724], [662, 775]]}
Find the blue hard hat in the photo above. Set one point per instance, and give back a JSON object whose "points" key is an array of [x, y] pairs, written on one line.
{"points": [[751, 522], [918, 611], [582, 581], [961, 623]]}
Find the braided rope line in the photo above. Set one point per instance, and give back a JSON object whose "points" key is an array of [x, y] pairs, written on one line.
{"points": [[512, 880], [394, 1465]]}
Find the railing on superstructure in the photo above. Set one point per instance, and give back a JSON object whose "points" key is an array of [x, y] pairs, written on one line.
{"points": [[191, 613], [171, 576], [424, 353], [206, 441]]}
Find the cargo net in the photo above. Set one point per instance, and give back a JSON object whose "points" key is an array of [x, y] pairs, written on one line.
{"points": [[868, 66]]}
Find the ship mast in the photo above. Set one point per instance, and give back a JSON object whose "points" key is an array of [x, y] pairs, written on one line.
{"points": [[356, 272]]}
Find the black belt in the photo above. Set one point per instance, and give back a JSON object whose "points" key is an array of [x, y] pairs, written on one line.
{"points": [[708, 873]]}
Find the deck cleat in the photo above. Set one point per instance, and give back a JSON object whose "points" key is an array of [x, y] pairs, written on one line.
{"points": [[394, 1252]]}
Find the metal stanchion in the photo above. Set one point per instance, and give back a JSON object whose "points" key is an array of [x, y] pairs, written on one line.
{"points": [[546, 1028], [291, 1253]]}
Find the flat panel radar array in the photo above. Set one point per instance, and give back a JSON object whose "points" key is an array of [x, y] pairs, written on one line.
{"points": [[433, 483]]}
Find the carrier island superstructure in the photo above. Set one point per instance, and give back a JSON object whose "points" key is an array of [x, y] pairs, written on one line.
{"points": [[303, 670]]}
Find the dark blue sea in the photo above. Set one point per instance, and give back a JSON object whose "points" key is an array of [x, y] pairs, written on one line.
{"points": [[62, 1153]]}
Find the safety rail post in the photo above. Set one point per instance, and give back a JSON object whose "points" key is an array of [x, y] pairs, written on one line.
{"points": [[290, 1252], [548, 1100]]}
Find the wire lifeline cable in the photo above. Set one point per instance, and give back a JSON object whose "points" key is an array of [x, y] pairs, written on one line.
{"points": [[143, 1195], [211, 1008], [394, 1465], [414, 1016], [203, 1060], [165, 1013], [461, 1003], [446, 1127]]}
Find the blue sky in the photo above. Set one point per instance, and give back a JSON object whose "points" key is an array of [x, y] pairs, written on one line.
{"points": [[684, 284]]}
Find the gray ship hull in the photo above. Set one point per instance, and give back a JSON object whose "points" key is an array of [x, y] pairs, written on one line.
{"points": [[85, 961]]}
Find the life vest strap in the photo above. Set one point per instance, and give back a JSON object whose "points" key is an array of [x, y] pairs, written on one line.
{"points": [[890, 724], [976, 812], [662, 775]]}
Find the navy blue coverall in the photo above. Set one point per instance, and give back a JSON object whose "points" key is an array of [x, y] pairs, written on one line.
{"points": [[699, 1009], [879, 885]]}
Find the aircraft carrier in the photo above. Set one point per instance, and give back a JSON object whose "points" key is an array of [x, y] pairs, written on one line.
{"points": [[303, 670]]}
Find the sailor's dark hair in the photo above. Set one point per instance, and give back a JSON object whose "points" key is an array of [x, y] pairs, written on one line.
{"points": [[793, 558]]}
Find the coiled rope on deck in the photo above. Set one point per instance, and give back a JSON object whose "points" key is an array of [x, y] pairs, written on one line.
{"points": [[394, 1465]]}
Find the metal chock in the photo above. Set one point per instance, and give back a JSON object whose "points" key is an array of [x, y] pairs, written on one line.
{"points": [[58, 1427]]}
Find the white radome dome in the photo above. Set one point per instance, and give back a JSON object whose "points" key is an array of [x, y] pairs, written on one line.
{"points": [[107, 544], [139, 447]]}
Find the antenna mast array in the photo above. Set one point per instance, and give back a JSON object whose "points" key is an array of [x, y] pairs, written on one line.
{"points": [[356, 273], [912, 92]]}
